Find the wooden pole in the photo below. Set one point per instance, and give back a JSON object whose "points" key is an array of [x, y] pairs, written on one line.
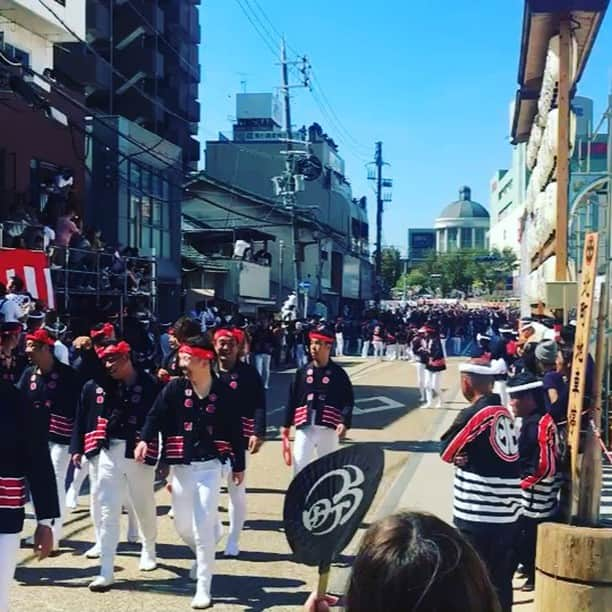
{"points": [[563, 104], [579, 362], [591, 468]]}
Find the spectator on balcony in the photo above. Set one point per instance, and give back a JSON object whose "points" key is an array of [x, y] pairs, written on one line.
{"points": [[263, 257], [9, 309], [66, 227]]}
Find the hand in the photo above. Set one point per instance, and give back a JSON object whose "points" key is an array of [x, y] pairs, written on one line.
{"points": [[43, 541], [163, 375], [320, 603], [82, 343], [341, 431], [461, 459], [255, 443], [140, 452], [76, 460], [237, 478], [284, 432], [162, 471]]}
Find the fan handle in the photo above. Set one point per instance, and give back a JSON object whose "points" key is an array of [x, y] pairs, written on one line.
{"points": [[323, 580]]}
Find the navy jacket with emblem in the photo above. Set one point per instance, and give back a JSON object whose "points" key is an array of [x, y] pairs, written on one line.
{"points": [[247, 395], [320, 396], [487, 489], [54, 398], [112, 410], [538, 455], [196, 429], [24, 458]]}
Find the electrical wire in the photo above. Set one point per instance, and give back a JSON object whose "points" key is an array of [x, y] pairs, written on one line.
{"points": [[146, 96], [260, 33]]}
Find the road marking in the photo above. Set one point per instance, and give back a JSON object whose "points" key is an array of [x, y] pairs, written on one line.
{"points": [[383, 404]]}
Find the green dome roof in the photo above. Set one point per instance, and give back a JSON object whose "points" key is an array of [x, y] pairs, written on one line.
{"points": [[464, 207]]}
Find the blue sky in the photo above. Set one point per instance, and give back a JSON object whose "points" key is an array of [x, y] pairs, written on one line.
{"points": [[432, 80]]}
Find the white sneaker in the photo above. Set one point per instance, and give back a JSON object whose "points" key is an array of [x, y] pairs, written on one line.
{"points": [[193, 571], [132, 538], [100, 584], [171, 512], [93, 552], [202, 600], [148, 562]]}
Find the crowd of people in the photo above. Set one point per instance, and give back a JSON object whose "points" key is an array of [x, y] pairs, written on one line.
{"points": [[188, 404]]}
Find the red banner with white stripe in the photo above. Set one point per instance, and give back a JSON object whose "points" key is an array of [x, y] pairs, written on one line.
{"points": [[33, 268]]}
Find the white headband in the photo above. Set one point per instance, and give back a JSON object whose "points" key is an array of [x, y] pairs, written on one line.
{"points": [[526, 387], [476, 368]]}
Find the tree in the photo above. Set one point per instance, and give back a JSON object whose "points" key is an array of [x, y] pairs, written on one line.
{"points": [[390, 267], [414, 280]]}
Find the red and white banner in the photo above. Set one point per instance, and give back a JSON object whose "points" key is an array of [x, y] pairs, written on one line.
{"points": [[33, 268]]}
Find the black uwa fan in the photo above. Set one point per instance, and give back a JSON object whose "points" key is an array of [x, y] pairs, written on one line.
{"points": [[326, 503]]}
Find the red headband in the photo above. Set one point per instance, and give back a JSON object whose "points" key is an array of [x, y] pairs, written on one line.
{"points": [[224, 333], [121, 348], [195, 351], [319, 336], [239, 335], [41, 336], [107, 330]]}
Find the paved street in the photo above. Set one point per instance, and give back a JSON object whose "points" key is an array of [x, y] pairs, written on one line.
{"points": [[263, 578]]}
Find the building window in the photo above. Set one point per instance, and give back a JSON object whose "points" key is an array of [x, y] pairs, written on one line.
{"points": [[480, 238], [451, 239], [15, 54], [466, 238]]}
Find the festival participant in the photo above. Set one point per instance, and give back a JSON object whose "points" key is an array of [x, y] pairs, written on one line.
{"points": [[435, 364], [320, 403], [52, 390], [12, 363], [538, 456], [183, 328], [421, 356], [109, 420], [483, 444], [25, 464], [201, 431], [499, 364], [378, 341], [247, 396]]}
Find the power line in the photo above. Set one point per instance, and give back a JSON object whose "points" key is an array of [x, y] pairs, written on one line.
{"points": [[162, 37], [260, 33], [146, 96]]}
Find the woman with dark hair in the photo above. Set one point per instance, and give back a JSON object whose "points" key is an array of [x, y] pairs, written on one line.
{"points": [[414, 562]]}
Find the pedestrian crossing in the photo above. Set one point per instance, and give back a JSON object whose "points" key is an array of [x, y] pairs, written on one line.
{"points": [[605, 508]]}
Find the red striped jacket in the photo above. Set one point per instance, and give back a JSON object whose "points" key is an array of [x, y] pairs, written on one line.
{"points": [[195, 429], [54, 397], [320, 396], [112, 410]]}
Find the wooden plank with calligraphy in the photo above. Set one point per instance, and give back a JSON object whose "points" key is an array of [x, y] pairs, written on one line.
{"points": [[579, 363]]}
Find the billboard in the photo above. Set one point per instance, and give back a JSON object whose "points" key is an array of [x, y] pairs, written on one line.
{"points": [[421, 242]]}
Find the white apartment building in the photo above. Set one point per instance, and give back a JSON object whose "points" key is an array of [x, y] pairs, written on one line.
{"points": [[28, 29]]}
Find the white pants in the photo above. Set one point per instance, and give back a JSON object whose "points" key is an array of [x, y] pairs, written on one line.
{"points": [[195, 497], [456, 345], [392, 352], [500, 387], [365, 349], [78, 478], [432, 385], [9, 546], [60, 458], [378, 348], [339, 344], [262, 365], [113, 470], [401, 351], [237, 509], [420, 372], [300, 355], [309, 439]]}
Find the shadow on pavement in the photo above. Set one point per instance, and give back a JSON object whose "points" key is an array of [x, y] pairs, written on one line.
{"points": [[257, 593], [408, 446]]}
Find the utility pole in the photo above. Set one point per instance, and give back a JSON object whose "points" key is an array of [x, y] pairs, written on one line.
{"points": [[381, 197], [289, 183]]}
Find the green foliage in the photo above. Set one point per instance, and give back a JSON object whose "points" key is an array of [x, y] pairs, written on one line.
{"points": [[464, 270], [390, 267]]}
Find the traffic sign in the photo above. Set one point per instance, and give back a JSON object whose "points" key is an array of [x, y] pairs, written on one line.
{"points": [[305, 285]]}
